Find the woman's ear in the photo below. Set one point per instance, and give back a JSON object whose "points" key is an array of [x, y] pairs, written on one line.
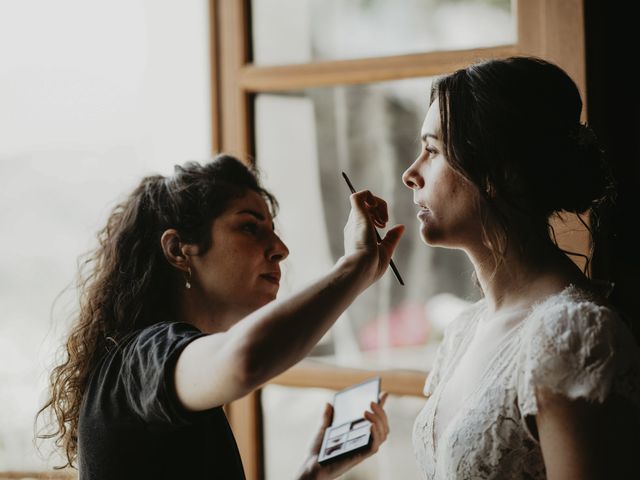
{"points": [[174, 250]]}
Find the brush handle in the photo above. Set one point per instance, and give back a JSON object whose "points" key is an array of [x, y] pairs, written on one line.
{"points": [[391, 264]]}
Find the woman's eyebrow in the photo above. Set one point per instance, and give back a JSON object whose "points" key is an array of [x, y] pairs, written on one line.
{"points": [[428, 135], [253, 213]]}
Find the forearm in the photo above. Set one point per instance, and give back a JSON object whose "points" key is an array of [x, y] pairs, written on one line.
{"points": [[221, 367], [283, 332]]}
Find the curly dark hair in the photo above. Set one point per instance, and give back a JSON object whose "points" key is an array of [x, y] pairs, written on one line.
{"points": [[126, 284]]}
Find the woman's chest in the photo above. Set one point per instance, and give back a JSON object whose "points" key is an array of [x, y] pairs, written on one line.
{"points": [[484, 362], [483, 434]]}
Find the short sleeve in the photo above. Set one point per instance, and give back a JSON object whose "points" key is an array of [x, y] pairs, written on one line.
{"points": [[578, 349], [146, 377]]}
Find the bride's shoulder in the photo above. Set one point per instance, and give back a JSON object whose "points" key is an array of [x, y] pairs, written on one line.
{"points": [[575, 344], [573, 310]]}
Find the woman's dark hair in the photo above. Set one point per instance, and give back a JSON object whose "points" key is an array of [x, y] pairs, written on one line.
{"points": [[126, 283], [512, 128]]}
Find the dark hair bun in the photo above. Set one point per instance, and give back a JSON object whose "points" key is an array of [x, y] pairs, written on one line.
{"points": [[581, 177], [512, 126]]}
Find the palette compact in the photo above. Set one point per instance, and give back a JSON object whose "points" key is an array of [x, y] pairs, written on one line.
{"points": [[349, 431]]}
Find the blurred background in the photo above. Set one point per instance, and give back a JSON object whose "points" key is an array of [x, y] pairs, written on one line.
{"points": [[94, 95]]}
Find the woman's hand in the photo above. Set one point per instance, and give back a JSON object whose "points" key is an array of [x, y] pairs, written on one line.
{"points": [[368, 212], [379, 432]]}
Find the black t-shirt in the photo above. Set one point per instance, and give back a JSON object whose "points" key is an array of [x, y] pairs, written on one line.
{"points": [[132, 426]]}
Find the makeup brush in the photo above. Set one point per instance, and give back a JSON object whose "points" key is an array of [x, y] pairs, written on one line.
{"points": [[391, 264]]}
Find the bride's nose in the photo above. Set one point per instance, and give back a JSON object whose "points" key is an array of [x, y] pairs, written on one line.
{"points": [[412, 178]]}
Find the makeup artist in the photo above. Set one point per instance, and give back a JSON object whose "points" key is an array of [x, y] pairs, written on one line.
{"points": [[177, 318]]}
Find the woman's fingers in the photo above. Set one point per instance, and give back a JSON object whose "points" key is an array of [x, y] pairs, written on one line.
{"points": [[373, 207], [379, 433], [382, 212], [327, 416], [378, 211], [378, 409], [376, 423], [391, 239], [379, 422], [369, 212]]}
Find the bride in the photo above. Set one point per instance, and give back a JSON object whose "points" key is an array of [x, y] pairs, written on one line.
{"points": [[540, 378]]}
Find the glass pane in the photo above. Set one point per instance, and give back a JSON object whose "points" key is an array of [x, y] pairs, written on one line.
{"points": [[301, 31], [85, 114], [371, 132], [287, 444], [303, 142]]}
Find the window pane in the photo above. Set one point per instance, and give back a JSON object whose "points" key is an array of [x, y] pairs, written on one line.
{"points": [[86, 112], [303, 142], [301, 31]]}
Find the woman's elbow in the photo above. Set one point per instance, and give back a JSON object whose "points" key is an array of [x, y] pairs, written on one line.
{"points": [[252, 369]]}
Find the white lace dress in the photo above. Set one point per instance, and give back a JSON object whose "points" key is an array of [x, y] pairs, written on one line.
{"points": [[567, 343]]}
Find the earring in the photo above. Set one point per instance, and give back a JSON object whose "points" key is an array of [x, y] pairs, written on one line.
{"points": [[187, 283]]}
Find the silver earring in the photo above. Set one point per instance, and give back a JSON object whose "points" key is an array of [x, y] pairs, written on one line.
{"points": [[187, 283]]}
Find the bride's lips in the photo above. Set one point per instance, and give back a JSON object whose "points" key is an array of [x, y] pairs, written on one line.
{"points": [[424, 212]]}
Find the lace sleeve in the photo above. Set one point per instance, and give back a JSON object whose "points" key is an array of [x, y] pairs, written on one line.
{"points": [[580, 350]]}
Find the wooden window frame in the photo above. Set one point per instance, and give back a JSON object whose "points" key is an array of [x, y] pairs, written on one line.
{"points": [[550, 29], [67, 474]]}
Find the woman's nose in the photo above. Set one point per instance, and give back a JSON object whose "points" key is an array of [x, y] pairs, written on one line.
{"points": [[412, 179], [278, 250]]}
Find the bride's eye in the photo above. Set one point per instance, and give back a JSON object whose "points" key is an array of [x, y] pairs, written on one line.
{"points": [[431, 150]]}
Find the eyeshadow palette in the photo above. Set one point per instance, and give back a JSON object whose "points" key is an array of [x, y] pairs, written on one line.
{"points": [[349, 432]]}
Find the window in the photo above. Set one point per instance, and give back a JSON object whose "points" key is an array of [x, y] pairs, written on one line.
{"points": [[311, 88], [85, 112]]}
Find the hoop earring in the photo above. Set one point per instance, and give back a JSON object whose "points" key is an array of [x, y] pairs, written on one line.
{"points": [[187, 283]]}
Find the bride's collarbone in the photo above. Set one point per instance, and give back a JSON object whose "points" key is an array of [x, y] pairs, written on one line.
{"points": [[473, 362]]}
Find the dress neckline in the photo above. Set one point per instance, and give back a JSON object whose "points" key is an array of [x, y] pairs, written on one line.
{"points": [[451, 368]]}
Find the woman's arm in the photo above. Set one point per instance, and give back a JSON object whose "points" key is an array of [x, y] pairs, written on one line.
{"points": [[219, 368], [585, 440]]}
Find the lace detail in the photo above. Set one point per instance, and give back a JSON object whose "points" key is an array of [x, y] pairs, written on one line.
{"points": [[580, 350], [567, 343]]}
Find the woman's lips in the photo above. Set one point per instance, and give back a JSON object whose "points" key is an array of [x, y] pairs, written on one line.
{"points": [[424, 213], [271, 277]]}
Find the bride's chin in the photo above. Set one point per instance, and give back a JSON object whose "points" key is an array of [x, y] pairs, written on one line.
{"points": [[426, 235], [430, 237]]}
